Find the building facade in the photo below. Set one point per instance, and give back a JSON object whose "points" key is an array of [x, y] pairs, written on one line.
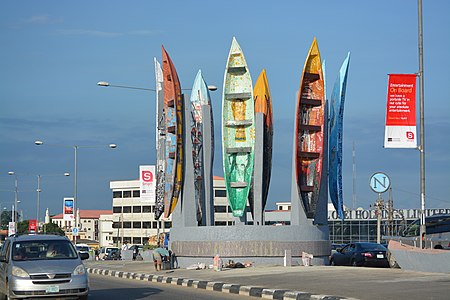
{"points": [[89, 224]]}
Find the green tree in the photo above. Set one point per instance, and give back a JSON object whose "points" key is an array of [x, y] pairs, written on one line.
{"points": [[22, 227], [5, 218], [52, 228]]}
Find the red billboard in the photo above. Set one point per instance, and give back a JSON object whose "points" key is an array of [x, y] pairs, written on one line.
{"points": [[400, 129]]}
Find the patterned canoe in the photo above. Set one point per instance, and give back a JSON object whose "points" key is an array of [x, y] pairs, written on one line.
{"points": [[263, 104], [238, 130], [160, 142], [199, 97], [309, 127], [335, 139], [173, 109]]}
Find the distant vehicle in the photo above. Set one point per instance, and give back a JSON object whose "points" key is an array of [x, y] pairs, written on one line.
{"points": [[335, 247], [437, 231], [114, 254], [41, 266], [82, 248], [104, 251], [360, 254]]}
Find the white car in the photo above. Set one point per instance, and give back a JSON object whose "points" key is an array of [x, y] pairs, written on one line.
{"points": [[38, 266]]}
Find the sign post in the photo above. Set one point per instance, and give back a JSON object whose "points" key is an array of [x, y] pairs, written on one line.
{"points": [[379, 183]]}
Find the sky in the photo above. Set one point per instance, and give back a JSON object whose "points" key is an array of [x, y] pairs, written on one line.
{"points": [[54, 52]]}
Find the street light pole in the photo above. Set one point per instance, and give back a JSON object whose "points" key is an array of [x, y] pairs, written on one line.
{"points": [[75, 147], [422, 132], [16, 196], [38, 207]]}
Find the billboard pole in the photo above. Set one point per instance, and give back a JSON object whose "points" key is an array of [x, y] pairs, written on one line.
{"points": [[422, 132]]}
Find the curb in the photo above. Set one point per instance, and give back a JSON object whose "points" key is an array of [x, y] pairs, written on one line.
{"points": [[252, 291]]}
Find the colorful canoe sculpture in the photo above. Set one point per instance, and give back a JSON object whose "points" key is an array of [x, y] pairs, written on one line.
{"points": [[263, 104], [199, 97], [173, 109], [160, 142], [335, 139], [238, 130], [309, 126]]}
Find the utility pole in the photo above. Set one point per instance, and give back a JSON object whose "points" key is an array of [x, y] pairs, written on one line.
{"points": [[390, 208], [379, 204], [422, 132]]}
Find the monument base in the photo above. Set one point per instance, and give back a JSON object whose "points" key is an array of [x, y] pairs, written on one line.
{"points": [[261, 245]]}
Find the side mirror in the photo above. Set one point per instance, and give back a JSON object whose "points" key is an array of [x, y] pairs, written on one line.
{"points": [[84, 255]]}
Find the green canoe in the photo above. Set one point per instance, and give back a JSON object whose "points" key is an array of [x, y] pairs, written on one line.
{"points": [[238, 130]]}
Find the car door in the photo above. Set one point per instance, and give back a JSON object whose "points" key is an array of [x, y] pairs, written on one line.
{"points": [[4, 253], [347, 255], [339, 256]]}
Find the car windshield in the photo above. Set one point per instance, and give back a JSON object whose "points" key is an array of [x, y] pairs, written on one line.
{"points": [[371, 247], [43, 250]]}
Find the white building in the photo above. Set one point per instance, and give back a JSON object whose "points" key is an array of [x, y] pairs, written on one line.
{"points": [[89, 224]]}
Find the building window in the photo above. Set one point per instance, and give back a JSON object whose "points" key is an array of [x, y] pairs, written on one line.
{"points": [[137, 225], [116, 225], [117, 209], [137, 209], [146, 224], [126, 224], [117, 194], [127, 194], [146, 209], [136, 194], [154, 224], [220, 223], [136, 240], [220, 209], [167, 224], [126, 209], [220, 193]]}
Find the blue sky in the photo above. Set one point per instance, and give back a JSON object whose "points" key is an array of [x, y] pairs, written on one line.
{"points": [[53, 53]]}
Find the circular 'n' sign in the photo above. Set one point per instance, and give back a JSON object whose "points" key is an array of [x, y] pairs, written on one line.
{"points": [[379, 182]]}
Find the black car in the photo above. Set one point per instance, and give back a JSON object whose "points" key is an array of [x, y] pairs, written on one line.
{"points": [[114, 254], [361, 254]]}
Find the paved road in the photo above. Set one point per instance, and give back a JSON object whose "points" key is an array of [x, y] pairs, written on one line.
{"points": [[349, 282], [107, 288]]}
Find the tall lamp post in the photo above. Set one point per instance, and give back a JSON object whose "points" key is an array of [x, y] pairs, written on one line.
{"points": [[75, 148], [16, 197], [38, 190]]}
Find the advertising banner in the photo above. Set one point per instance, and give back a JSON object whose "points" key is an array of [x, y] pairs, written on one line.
{"points": [[32, 225], [11, 228], [400, 131], [68, 209], [147, 182]]}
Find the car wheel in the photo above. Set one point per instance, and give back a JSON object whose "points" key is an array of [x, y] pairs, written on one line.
{"points": [[85, 297], [332, 263], [355, 263], [392, 261]]}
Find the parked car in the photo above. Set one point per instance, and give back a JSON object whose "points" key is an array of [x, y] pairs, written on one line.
{"points": [[360, 254], [114, 254], [82, 248], [104, 251], [38, 266]]}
